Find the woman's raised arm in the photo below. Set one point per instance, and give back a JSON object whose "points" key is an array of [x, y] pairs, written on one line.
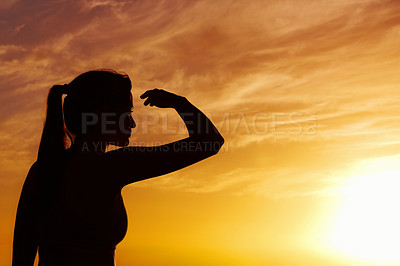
{"points": [[133, 164]]}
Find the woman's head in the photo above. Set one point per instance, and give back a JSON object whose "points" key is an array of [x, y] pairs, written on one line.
{"points": [[98, 106]]}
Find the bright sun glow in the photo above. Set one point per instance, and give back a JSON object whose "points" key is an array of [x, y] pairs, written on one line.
{"points": [[368, 225]]}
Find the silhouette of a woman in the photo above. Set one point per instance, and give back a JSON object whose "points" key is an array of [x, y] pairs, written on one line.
{"points": [[71, 208]]}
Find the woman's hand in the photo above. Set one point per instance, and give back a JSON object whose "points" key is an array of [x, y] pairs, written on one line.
{"points": [[161, 98]]}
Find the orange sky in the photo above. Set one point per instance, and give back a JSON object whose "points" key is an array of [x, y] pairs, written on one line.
{"points": [[306, 94]]}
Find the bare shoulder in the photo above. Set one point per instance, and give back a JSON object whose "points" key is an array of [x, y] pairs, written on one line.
{"points": [[31, 177]]}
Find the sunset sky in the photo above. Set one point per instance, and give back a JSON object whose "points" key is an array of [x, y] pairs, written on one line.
{"points": [[306, 94]]}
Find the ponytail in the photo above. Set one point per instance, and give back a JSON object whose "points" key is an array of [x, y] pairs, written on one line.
{"points": [[53, 138], [51, 152]]}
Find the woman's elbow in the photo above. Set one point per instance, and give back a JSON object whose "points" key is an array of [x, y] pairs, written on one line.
{"points": [[221, 140], [217, 144]]}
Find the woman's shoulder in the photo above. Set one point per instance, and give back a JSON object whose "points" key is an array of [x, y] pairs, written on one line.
{"points": [[34, 167], [31, 177]]}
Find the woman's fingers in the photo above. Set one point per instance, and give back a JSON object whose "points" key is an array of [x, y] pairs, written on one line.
{"points": [[149, 92], [147, 101], [146, 94], [158, 97]]}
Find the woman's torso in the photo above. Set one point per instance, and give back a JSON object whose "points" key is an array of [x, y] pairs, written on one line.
{"points": [[87, 217]]}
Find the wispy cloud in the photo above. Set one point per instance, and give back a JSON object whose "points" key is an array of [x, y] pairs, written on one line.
{"points": [[332, 63], [305, 92]]}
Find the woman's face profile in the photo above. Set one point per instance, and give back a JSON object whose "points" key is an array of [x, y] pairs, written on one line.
{"points": [[117, 125]]}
